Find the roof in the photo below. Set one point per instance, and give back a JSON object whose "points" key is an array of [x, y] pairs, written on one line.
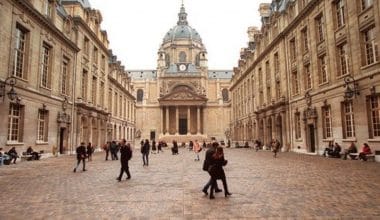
{"points": [[84, 3]]}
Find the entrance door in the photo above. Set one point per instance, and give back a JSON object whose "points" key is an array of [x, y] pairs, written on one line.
{"points": [[312, 138], [183, 126], [61, 139], [152, 135]]}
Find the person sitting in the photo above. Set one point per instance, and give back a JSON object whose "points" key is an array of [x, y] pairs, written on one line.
{"points": [[35, 155], [335, 153], [13, 154], [365, 151], [351, 149], [328, 149]]}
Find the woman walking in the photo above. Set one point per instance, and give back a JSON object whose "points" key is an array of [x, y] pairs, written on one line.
{"points": [[216, 172]]}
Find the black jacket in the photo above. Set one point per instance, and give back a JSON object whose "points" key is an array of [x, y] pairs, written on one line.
{"points": [[81, 152], [125, 155]]}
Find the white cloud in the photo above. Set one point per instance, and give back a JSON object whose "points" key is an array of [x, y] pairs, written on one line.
{"points": [[136, 27]]}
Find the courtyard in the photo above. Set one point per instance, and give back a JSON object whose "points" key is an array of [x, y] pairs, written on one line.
{"points": [[292, 186]]}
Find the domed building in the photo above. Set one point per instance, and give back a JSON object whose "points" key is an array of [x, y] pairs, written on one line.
{"points": [[182, 99]]}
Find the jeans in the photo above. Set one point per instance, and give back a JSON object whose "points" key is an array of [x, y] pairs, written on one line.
{"points": [[145, 157]]}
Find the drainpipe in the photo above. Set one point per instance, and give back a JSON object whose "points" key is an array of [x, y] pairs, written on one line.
{"points": [[71, 149]]}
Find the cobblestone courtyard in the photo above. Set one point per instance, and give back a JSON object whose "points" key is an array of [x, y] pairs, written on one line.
{"points": [[293, 186]]}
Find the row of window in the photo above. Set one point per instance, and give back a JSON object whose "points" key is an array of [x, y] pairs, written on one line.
{"points": [[21, 58], [348, 119], [16, 121]]}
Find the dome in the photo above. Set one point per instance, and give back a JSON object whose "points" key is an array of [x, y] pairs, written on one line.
{"points": [[182, 30]]}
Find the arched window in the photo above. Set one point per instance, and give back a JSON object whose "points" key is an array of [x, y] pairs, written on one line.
{"points": [[167, 59], [140, 95], [225, 95], [197, 60], [182, 57]]}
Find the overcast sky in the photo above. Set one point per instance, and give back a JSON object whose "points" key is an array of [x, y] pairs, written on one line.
{"points": [[136, 28]]}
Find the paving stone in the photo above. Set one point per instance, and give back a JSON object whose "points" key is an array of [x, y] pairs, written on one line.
{"points": [[292, 186]]}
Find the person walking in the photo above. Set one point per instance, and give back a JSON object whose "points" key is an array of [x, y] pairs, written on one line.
{"points": [[125, 156], [154, 147], [90, 150], [81, 156], [206, 164], [145, 152], [159, 147], [275, 147], [113, 150], [106, 148], [196, 148], [216, 171]]}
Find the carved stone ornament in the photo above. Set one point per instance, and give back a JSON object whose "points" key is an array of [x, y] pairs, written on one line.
{"points": [[63, 117], [310, 113], [138, 133]]}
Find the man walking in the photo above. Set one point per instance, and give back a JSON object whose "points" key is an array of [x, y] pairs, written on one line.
{"points": [[145, 152], [81, 156], [206, 164], [125, 156]]}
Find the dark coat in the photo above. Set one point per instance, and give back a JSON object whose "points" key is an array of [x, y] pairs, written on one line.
{"points": [[81, 152], [145, 148], [215, 168], [125, 155], [208, 158]]}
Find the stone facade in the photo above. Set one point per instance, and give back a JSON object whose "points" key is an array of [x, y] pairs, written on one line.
{"points": [[310, 76], [182, 100], [42, 51]]}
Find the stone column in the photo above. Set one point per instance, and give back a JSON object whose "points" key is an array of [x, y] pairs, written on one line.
{"points": [[188, 120], [176, 120], [162, 119], [167, 119], [198, 120]]}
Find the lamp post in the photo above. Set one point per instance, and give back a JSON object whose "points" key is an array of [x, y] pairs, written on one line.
{"points": [[12, 95], [351, 86]]}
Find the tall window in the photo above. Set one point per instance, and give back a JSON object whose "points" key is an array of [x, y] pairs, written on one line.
{"points": [[182, 57], [121, 106], [45, 65], [327, 125], [110, 100], [278, 89], [42, 132], [86, 46], [101, 94], [65, 76], [297, 125], [308, 77], [366, 4], [293, 50], [339, 10], [94, 90], [276, 61], [15, 119], [140, 95], [48, 8], [225, 95], [20, 55], [295, 83], [103, 63], [84, 85], [342, 60], [322, 69], [370, 46], [305, 40], [95, 56], [348, 119], [115, 104], [375, 116], [320, 28]]}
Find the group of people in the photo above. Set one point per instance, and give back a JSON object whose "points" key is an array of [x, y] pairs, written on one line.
{"points": [[334, 150]]}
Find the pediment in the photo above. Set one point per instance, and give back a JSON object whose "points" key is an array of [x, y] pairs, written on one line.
{"points": [[184, 96]]}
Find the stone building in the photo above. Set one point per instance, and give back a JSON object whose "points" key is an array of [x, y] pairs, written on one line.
{"points": [[182, 99], [42, 61], [310, 76]]}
